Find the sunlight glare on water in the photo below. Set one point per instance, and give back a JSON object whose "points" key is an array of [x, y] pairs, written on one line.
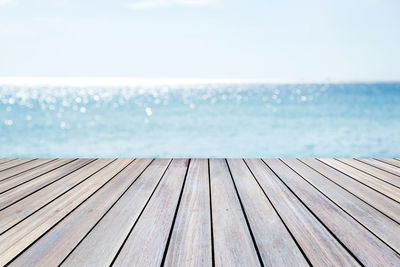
{"points": [[201, 120]]}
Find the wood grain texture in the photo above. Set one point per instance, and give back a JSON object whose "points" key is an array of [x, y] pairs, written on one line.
{"points": [[320, 247], [366, 179], [368, 249], [13, 164], [4, 160], [190, 243], [233, 245], [378, 173], [370, 196], [34, 184], [9, 173], [146, 243], [14, 191], [379, 224], [393, 162], [382, 165], [28, 205], [54, 246], [218, 212], [19, 237], [32, 174], [101, 245], [276, 246]]}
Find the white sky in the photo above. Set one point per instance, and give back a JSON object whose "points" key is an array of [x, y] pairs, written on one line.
{"points": [[310, 40]]}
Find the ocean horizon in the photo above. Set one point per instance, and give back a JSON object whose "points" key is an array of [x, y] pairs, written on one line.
{"points": [[122, 117]]}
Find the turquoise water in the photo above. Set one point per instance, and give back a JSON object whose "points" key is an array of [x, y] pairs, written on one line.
{"points": [[201, 120]]}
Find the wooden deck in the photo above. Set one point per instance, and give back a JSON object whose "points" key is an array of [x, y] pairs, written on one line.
{"points": [[200, 212]]}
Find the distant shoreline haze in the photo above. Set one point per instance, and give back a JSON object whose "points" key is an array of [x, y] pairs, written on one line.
{"points": [[130, 81]]}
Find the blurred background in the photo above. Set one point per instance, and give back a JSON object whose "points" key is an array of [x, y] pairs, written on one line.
{"points": [[199, 78], [201, 120], [310, 40]]}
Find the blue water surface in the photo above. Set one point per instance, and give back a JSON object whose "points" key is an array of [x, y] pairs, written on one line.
{"points": [[201, 120]]}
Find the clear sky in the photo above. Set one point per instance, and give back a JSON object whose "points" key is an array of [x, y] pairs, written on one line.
{"points": [[336, 40]]}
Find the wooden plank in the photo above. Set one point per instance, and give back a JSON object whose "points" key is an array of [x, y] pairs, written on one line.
{"points": [[320, 247], [23, 234], [393, 162], [276, 246], [379, 174], [372, 197], [379, 224], [4, 160], [101, 245], [25, 207], [146, 243], [190, 243], [13, 164], [56, 223], [382, 165], [32, 185], [27, 176], [366, 179], [55, 245], [233, 245], [9, 173], [362, 243]]}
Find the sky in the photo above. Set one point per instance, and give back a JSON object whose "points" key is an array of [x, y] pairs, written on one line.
{"points": [[285, 40]]}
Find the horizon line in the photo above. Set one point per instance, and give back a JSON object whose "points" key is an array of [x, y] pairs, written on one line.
{"points": [[136, 81]]}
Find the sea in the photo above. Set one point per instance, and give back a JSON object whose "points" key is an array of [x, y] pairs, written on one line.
{"points": [[200, 119]]}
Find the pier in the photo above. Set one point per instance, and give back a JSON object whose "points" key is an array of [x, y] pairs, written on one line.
{"points": [[199, 212]]}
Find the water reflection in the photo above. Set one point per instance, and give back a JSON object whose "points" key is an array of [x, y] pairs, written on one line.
{"points": [[201, 120]]}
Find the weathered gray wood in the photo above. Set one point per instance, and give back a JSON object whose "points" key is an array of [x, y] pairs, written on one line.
{"points": [[379, 224], [320, 247], [276, 246], [366, 179], [88, 210], [55, 245], [17, 193], [4, 160], [372, 197], [233, 245], [190, 243], [379, 174], [16, 239], [13, 164], [362, 243], [10, 173], [32, 174], [393, 162], [26, 206], [146, 243], [101, 245], [382, 165]]}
